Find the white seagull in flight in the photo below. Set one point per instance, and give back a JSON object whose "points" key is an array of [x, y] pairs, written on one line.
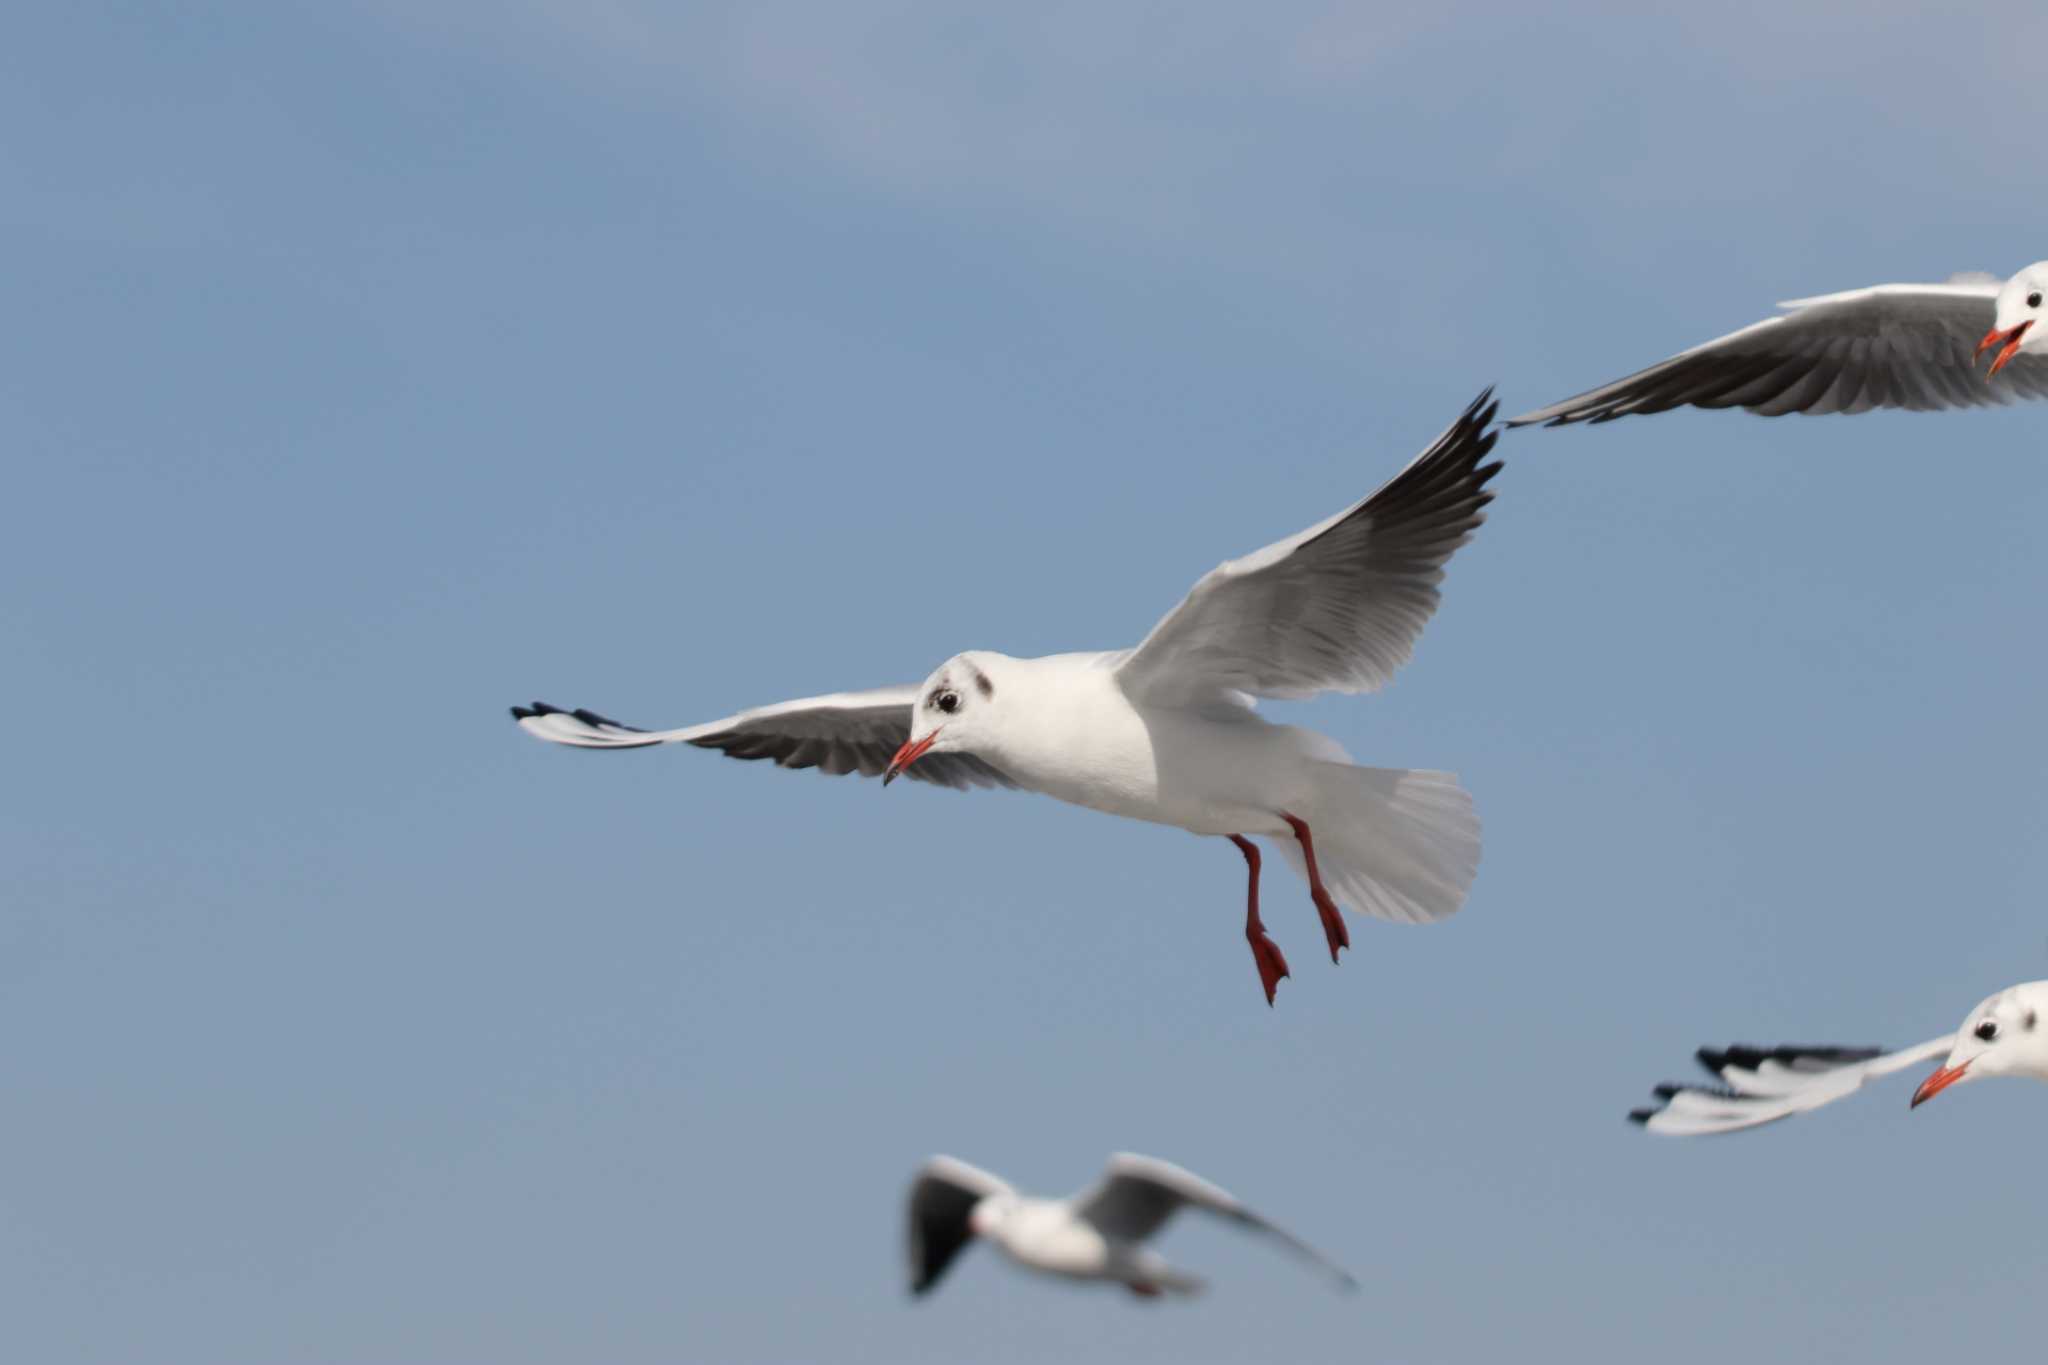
{"points": [[2006, 1035], [1098, 1234], [1166, 732], [1913, 346]]}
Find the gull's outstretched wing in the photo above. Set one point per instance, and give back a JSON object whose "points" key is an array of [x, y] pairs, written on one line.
{"points": [[943, 1194], [844, 733], [1335, 608], [1762, 1085], [1907, 346], [1138, 1194]]}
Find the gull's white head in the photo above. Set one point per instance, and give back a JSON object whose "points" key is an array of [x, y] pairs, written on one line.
{"points": [[2007, 1035], [955, 709], [2018, 308], [987, 1216]]}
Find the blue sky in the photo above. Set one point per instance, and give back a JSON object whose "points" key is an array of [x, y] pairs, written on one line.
{"points": [[371, 368]]}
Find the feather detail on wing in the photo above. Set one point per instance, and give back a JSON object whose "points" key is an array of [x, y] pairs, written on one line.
{"points": [[1138, 1194], [1762, 1085], [846, 732], [1335, 608], [1911, 346], [941, 1197]]}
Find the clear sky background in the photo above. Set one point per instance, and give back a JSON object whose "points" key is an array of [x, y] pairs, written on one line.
{"points": [[369, 368]]}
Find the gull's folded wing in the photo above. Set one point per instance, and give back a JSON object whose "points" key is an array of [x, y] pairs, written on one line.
{"points": [[1907, 346], [844, 733], [1335, 608], [1763, 1085]]}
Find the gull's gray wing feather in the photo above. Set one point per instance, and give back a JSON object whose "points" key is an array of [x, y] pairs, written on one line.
{"points": [[1762, 1085], [1335, 608], [846, 732], [1136, 1195], [1909, 346]]}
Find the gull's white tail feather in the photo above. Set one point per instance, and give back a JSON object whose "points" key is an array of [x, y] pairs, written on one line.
{"points": [[1398, 844]]}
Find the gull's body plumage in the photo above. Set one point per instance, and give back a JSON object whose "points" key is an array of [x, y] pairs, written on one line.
{"points": [[1098, 1234], [1218, 770], [1167, 731]]}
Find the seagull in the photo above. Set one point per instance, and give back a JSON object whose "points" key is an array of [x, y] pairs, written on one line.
{"points": [[1913, 346], [1098, 1234], [2003, 1036], [1167, 732]]}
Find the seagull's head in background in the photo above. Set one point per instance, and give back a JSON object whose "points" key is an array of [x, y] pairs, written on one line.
{"points": [[2018, 308], [955, 709], [986, 1218], [2007, 1035]]}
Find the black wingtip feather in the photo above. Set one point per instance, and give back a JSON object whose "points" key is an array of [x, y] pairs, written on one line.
{"points": [[590, 717], [1643, 1116], [1749, 1056], [584, 714], [1452, 475]]}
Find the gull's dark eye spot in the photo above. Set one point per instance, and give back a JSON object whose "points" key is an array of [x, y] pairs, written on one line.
{"points": [[2034, 299], [1988, 1030], [947, 701]]}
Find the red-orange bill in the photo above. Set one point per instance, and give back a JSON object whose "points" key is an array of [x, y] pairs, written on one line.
{"points": [[2008, 340], [912, 750], [1938, 1082]]}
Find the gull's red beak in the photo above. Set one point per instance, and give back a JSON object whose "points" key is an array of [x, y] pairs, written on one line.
{"points": [[1938, 1082], [912, 750], [2008, 340]]}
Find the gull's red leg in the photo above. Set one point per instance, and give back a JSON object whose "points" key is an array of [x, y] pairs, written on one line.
{"points": [[1265, 952], [1333, 918]]}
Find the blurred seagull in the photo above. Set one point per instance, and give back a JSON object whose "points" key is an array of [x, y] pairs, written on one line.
{"points": [[1912, 346], [2004, 1036], [1166, 732], [1097, 1234]]}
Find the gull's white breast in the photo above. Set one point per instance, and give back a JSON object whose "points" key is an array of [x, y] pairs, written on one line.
{"points": [[1081, 739], [1045, 1235]]}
